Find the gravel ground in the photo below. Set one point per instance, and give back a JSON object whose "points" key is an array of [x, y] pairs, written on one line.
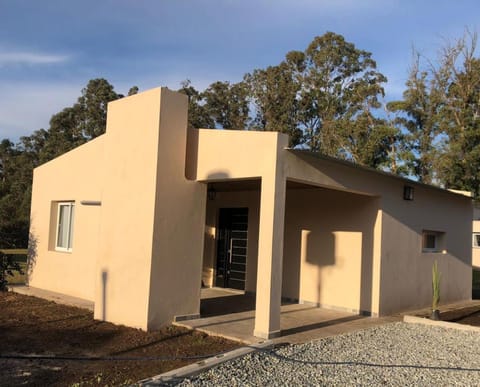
{"points": [[396, 354]]}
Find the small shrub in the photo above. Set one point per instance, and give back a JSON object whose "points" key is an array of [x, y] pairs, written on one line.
{"points": [[8, 265]]}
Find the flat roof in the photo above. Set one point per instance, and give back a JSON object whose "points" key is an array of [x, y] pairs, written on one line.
{"points": [[319, 156]]}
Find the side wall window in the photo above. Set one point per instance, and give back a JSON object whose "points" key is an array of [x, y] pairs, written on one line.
{"points": [[476, 239], [64, 229], [433, 241]]}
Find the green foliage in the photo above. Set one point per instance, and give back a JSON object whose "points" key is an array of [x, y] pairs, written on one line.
{"points": [[440, 112], [324, 98], [227, 104], [69, 128], [198, 115], [435, 286], [420, 120], [8, 265], [274, 92]]}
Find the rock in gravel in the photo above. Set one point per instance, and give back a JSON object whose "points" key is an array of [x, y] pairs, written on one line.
{"points": [[396, 354]]}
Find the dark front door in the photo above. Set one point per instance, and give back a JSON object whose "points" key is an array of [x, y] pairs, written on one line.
{"points": [[232, 248]]}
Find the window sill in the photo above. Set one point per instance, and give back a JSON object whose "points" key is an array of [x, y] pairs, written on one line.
{"points": [[58, 250], [427, 251]]}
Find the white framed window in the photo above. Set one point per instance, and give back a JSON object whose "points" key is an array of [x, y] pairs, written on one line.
{"points": [[476, 239], [433, 241], [65, 220]]}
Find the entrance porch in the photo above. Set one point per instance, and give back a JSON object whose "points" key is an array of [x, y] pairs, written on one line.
{"points": [[299, 322]]}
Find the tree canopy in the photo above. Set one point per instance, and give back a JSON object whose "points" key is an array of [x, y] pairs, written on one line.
{"points": [[328, 98], [69, 128], [440, 112]]}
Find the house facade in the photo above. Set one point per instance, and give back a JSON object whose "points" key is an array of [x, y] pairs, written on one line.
{"points": [[138, 219]]}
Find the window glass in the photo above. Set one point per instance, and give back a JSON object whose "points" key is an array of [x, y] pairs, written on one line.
{"points": [[476, 239], [433, 241], [66, 213], [430, 241]]}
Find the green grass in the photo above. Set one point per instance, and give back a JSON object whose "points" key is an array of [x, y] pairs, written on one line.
{"points": [[17, 278], [20, 257]]}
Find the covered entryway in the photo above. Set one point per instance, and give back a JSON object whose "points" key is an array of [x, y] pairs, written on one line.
{"points": [[232, 243], [231, 235]]}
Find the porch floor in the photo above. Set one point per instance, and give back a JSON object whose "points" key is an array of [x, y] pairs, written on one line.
{"points": [[231, 314]]}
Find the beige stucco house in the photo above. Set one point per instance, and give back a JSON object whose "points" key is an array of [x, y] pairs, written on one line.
{"points": [[139, 218]]}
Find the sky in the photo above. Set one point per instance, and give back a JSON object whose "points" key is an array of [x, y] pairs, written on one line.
{"points": [[50, 49]]}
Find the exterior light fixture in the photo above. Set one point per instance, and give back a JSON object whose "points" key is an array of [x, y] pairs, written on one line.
{"points": [[407, 192], [211, 194]]}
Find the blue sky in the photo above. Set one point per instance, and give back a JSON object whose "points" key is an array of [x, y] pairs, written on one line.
{"points": [[49, 49]]}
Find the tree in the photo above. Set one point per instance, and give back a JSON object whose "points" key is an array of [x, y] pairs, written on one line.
{"points": [[69, 128], [274, 92], [91, 108], [198, 115], [418, 117], [340, 89], [459, 117], [227, 104], [15, 189], [440, 111]]}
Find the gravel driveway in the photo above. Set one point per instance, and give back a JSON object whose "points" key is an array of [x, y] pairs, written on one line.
{"points": [[396, 354]]}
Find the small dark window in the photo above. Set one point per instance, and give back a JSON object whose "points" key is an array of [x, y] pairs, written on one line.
{"points": [[433, 242], [430, 241]]}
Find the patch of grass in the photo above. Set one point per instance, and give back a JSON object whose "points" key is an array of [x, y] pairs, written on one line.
{"points": [[17, 278], [20, 256]]}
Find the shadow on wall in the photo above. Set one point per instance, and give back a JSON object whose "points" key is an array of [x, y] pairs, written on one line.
{"points": [[318, 249], [191, 162], [31, 255], [329, 256], [104, 294]]}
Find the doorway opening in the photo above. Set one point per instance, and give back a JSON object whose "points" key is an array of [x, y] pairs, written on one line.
{"points": [[232, 242]]}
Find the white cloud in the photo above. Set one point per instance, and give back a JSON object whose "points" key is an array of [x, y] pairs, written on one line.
{"points": [[29, 58]]}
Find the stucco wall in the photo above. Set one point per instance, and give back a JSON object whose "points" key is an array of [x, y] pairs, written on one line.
{"points": [[151, 237], [74, 176], [406, 270], [329, 239], [250, 199], [401, 273]]}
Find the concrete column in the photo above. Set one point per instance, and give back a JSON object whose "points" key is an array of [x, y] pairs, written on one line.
{"points": [[270, 256]]}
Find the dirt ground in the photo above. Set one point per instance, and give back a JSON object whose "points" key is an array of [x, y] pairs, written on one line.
{"points": [[468, 316], [29, 325]]}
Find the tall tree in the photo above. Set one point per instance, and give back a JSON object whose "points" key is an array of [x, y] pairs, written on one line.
{"points": [[274, 91], [91, 108], [227, 104], [71, 127], [460, 122], [198, 114], [418, 117], [340, 89], [441, 112]]}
